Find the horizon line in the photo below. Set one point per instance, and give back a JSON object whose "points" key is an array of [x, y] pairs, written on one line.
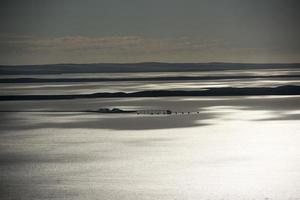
{"points": [[154, 62]]}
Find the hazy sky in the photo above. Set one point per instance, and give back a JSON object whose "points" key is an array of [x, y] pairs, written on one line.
{"points": [[85, 31]]}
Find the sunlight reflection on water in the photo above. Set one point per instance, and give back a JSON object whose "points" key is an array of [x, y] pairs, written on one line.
{"points": [[232, 150]]}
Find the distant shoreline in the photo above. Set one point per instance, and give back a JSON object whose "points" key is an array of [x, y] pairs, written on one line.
{"points": [[225, 91], [166, 78], [136, 67]]}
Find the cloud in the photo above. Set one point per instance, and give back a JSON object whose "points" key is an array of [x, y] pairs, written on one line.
{"points": [[83, 49], [117, 43], [97, 49]]}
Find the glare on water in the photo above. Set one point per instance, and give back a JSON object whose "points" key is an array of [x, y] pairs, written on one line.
{"points": [[236, 148]]}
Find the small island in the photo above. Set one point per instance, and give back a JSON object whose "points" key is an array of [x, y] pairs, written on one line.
{"points": [[114, 110], [139, 112]]}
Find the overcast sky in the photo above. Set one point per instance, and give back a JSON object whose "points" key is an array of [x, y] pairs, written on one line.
{"points": [[91, 31]]}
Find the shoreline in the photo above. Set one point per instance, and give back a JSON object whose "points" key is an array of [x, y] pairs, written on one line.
{"points": [[225, 91]]}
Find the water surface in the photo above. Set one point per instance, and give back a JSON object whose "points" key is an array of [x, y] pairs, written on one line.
{"points": [[235, 148]]}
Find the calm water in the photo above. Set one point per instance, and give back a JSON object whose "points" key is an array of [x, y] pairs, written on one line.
{"points": [[132, 86], [236, 148]]}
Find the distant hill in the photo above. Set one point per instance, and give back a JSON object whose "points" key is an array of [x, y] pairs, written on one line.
{"points": [[135, 67]]}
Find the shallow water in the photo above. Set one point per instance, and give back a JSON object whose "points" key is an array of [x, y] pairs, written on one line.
{"points": [[133, 86], [236, 148]]}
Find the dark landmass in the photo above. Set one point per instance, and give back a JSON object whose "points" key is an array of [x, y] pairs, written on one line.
{"points": [[101, 110], [69, 111], [113, 110], [175, 78], [225, 91], [136, 67], [106, 110]]}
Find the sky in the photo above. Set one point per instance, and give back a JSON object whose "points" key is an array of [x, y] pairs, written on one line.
{"points": [[125, 31]]}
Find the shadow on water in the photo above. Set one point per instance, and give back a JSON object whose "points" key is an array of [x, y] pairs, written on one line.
{"points": [[15, 121], [11, 121]]}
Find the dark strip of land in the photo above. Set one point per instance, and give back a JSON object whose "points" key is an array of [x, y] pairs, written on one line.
{"points": [[176, 78], [138, 67], [225, 91], [65, 111]]}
